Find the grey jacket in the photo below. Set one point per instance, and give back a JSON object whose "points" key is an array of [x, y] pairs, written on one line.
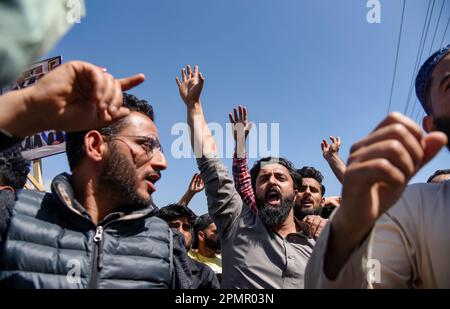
{"points": [[51, 242], [252, 255]]}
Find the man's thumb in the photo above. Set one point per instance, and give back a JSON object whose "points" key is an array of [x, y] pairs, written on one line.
{"points": [[433, 143]]}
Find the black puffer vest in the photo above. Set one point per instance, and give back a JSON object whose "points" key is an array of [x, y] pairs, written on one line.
{"points": [[52, 243]]}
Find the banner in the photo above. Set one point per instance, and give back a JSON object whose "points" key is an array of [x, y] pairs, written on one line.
{"points": [[46, 143], [43, 144]]}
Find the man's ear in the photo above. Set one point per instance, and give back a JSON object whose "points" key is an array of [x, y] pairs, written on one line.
{"points": [[323, 201], [428, 124], [95, 146], [201, 236]]}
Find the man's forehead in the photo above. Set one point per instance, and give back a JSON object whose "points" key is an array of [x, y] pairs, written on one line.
{"points": [[179, 219], [442, 68], [310, 182], [212, 226], [273, 168], [139, 124]]}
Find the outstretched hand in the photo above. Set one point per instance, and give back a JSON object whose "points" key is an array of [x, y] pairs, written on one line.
{"points": [[191, 85], [79, 96], [328, 150], [196, 185], [379, 168], [241, 126]]}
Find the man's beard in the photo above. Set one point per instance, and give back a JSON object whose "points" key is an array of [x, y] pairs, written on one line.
{"points": [[118, 179], [301, 212], [213, 244], [273, 216], [443, 124]]}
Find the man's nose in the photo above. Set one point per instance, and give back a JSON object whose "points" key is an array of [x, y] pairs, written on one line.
{"points": [[159, 161], [273, 179]]}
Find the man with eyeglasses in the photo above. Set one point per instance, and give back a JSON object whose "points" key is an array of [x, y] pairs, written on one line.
{"points": [[97, 228], [181, 219]]}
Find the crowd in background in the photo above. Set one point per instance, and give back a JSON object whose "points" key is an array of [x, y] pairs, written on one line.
{"points": [[268, 226]]}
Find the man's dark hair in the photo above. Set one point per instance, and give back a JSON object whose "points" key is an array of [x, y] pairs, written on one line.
{"points": [[437, 173], [13, 168], [173, 211], [201, 223], [75, 141], [269, 160], [311, 172]]}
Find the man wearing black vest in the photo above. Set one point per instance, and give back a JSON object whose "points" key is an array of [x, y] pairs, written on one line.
{"points": [[97, 228]]}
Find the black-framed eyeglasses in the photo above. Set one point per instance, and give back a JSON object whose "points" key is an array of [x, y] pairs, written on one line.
{"points": [[186, 226], [150, 144]]}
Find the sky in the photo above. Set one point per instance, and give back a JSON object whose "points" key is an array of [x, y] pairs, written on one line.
{"points": [[315, 68]]}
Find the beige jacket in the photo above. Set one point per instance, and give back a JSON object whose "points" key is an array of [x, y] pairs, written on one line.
{"points": [[409, 246]]}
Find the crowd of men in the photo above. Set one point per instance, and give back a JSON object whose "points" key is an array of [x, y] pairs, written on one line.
{"points": [[269, 226]]}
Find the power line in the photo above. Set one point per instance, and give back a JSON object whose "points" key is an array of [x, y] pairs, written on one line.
{"points": [[396, 56], [415, 101], [417, 61], [437, 26], [445, 32]]}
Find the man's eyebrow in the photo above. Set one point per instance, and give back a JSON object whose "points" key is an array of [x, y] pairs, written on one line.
{"points": [[270, 172], [444, 80]]}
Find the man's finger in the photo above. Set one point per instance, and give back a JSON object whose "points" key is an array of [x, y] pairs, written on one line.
{"points": [[178, 81], [96, 79], [183, 74], [231, 118], [109, 92], [250, 125], [121, 112], [241, 114], [432, 144], [396, 117], [131, 82], [368, 173], [391, 150], [189, 71], [236, 119], [117, 99], [196, 71], [394, 132]]}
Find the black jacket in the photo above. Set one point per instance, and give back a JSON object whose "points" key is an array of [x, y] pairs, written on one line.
{"points": [[49, 241]]}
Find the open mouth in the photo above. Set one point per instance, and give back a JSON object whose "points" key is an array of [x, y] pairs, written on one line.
{"points": [[307, 203], [273, 197], [150, 180]]}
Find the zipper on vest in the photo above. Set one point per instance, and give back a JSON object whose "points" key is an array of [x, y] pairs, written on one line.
{"points": [[97, 261]]}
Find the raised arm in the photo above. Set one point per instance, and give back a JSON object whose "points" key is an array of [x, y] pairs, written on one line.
{"points": [[74, 97], [380, 166], [195, 186], [241, 174], [224, 203], [331, 155], [190, 88]]}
